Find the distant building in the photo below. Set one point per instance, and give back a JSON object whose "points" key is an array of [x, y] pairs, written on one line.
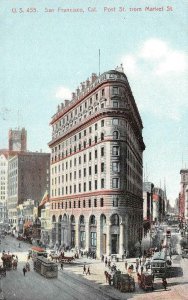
{"points": [[18, 139], [28, 178], [96, 167], [148, 205], [159, 203], [183, 196]]}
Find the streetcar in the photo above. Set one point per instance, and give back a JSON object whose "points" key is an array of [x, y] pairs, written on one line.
{"points": [[37, 251], [159, 264]]}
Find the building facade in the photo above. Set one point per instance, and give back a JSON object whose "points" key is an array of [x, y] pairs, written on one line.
{"points": [[96, 167], [159, 204], [147, 205], [28, 178], [3, 186], [183, 196]]}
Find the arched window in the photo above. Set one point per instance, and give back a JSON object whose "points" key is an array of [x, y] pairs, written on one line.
{"points": [[102, 136], [92, 220], [82, 221], [115, 135], [115, 220]]}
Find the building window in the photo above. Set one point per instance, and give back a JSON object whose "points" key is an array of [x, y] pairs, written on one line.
{"points": [[78, 203], [79, 187], [93, 239], [115, 104], [102, 167], [84, 132], [115, 150], [102, 123], [75, 162], [115, 135], [79, 146], [80, 173], [115, 166], [102, 151], [84, 144], [65, 205], [115, 90], [89, 170], [115, 121], [116, 202], [95, 169], [75, 188], [84, 157], [79, 160], [95, 184], [84, 172], [95, 139], [69, 204], [84, 186], [89, 155], [74, 204], [102, 183], [89, 203], [95, 153], [96, 126], [84, 203], [101, 202], [62, 205], [95, 202], [89, 185], [115, 183], [74, 174], [90, 129], [103, 92], [102, 136], [89, 142]]}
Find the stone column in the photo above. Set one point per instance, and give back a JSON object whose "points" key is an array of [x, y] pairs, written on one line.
{"points": [[108, 238], [99, 239], [87, 235], [121, 238], [126, 234], [77, 234], [57, 231]]}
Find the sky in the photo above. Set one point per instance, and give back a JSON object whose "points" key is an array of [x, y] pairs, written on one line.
{"points": [[45, 54]]}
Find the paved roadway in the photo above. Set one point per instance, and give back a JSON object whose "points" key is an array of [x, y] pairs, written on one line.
{"points": [[73, 285]]}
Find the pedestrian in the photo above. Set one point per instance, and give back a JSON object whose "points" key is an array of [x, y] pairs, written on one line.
{"points": [[24, 270], [136, 268], [84, 269], [88, 271], [102, 258], [126, 265], [61, 265], [164, 283], [109, 263], [106, 262]]}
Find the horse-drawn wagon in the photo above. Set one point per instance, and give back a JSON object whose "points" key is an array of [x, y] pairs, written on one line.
{"points": [[7, 261], [123, 282], [145, 281]]}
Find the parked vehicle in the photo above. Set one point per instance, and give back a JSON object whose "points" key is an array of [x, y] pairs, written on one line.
{"points": [[159, 265], [123, 282], [185, 253], [145, 281]]}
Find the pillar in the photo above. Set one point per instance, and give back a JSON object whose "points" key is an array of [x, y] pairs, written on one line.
{"points": [[108, 238], [121, 239], [99, 239], [77, 234], [87, 235]]}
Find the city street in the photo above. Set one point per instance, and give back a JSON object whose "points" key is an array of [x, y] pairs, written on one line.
{"points": [[72, 284]]}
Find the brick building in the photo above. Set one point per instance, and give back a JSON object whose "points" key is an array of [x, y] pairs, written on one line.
{"points": [[96, 167], [28, 178]]}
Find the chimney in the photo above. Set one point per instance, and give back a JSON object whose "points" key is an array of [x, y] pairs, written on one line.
{"points": [[83, 86], [93, 77], [87, 83], [78, 91], [73, 96], [67, 102]]}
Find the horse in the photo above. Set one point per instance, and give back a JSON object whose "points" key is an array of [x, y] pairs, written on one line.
{"points": [[14, 264], [55, 257], [108, 277]]}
